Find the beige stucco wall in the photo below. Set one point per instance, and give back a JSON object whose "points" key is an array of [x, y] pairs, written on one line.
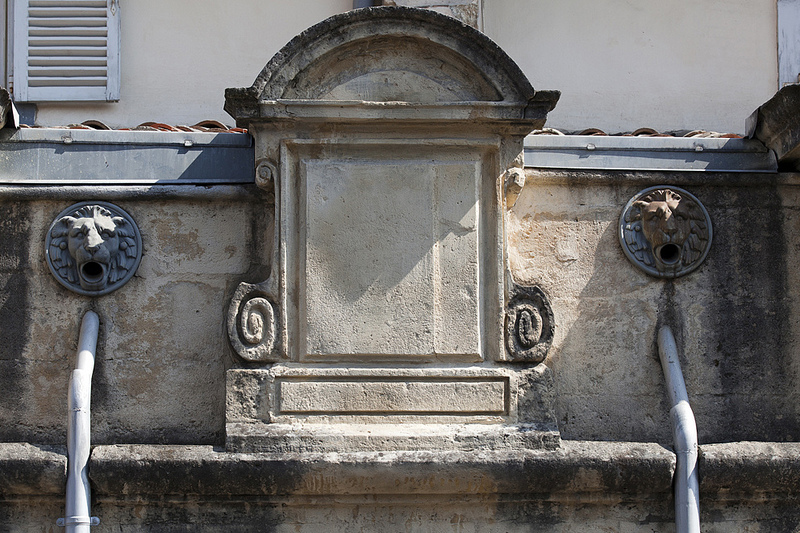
{"points": [[626, 64], [178, 57], [620, 64]]}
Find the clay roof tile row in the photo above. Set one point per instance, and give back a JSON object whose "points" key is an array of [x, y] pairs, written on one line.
{"points": [[202, 126], [641, 132], [218, 127]]}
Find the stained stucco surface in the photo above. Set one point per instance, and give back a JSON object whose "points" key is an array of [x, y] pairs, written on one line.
{"points": [[731, 316], [163, 350]]}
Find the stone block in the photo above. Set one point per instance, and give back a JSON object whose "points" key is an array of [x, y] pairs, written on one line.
{"points": [[288, 408], [429, 396], [777, 124]]}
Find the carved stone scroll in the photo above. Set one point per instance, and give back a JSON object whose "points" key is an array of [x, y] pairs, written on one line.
{"points": [[253, 324], [665, 231], [265, 174], [529, 325]]}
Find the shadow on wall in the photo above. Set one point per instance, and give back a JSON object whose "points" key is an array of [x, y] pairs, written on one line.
{"points": [[731, 318], [14, 320]]}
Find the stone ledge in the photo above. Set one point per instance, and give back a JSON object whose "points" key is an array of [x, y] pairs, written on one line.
{"points": [[27, 469], [645, 178], [749, 470], [374, 438], [601, 469]]}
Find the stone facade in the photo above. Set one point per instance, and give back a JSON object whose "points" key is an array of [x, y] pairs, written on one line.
{"points": [[531, 398]]}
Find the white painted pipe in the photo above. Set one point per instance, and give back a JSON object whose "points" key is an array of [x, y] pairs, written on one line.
{"points": [[78, 516], [684, 434]]}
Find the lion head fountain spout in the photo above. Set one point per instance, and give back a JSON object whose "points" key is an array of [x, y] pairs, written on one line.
{"points": [[93, 248], [665, 231]]}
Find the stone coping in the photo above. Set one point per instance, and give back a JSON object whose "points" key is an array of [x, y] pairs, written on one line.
{"points": [[576, 467], [42, 156], [32, 470], [584, 177], [644, 178], [679, 154], [594, 470], [193, 192]]}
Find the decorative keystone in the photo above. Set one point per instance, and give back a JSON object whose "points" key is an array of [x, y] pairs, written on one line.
{"points": [[529, 325], [93, 248], [665, 231]]}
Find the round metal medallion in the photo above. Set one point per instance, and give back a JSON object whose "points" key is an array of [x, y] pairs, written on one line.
{"points": [[665, 231], [93, 248]]}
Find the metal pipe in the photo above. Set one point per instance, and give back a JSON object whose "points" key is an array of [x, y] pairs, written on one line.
{"points": [[78, 513], [684, 434]]}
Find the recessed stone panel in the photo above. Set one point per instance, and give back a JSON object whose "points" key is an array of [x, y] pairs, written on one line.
{"points": [[391, 257], [394, 397]]}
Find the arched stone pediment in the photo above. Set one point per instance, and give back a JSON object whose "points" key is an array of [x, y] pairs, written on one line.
{"points": [[390, 55], [404, 69]]}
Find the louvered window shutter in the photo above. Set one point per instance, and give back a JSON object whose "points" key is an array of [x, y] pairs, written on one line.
{"points": [[66, 50]]}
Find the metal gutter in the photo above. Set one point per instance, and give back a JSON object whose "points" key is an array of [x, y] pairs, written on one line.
{"points": [[693, 154], [49, 156]]}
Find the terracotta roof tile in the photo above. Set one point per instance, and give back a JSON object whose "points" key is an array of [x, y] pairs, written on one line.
{"points": [[213, 126], [641, 132]]}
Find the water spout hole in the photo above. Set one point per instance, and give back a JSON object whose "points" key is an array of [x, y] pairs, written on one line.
{"points": [[669, 253], [92, 271]]}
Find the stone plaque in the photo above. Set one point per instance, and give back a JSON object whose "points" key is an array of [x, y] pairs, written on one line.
{"points": [[391, 262], [393, 397]]}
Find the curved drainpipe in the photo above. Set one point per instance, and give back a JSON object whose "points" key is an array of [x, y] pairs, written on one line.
{"points": [[78, 516], [684, 434]]}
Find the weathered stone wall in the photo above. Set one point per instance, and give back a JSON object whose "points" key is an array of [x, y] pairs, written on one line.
{"points": [[732, 317], [163, 350], [163, 353], [431, 426]]}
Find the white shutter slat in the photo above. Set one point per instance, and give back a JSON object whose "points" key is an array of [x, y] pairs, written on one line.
{"points": [[66, 51], [68, 44], [69, 71], [67, 9], [69, 3], [43, 81], [56, 61], [60, 13], [67, 40], [67, 22]]}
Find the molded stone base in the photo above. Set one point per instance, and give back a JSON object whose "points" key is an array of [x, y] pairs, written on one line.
{"points": [[300, 438], [303, 408]]}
